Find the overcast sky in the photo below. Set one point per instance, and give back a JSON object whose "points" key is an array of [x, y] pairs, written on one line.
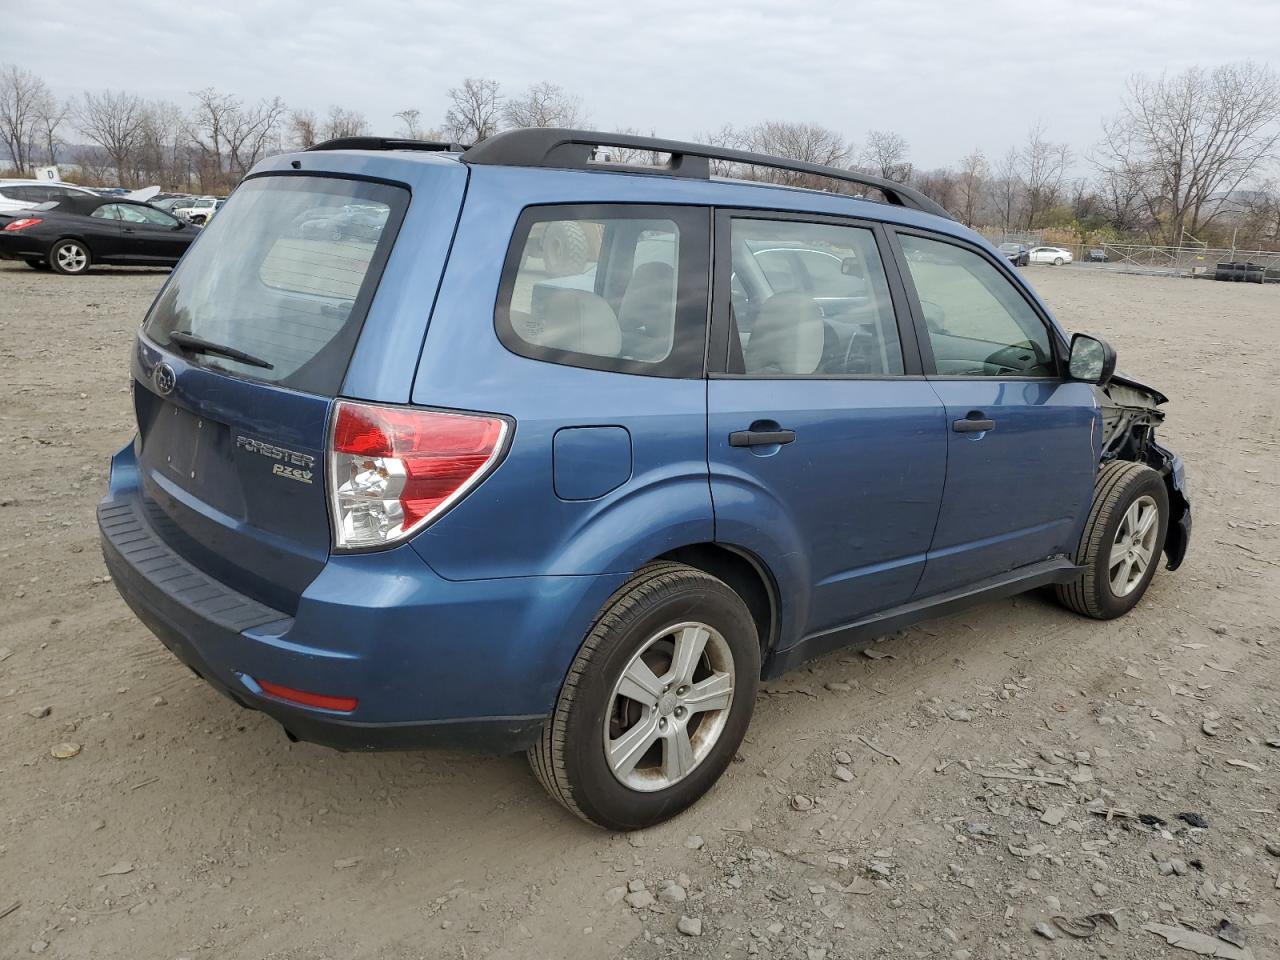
{"points": [[948, 76]]}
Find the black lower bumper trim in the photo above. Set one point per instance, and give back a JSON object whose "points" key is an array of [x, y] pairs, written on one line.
{"points": [[187, 595]]}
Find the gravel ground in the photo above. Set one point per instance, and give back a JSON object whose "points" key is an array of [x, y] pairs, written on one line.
{"points": [[946, 796]]}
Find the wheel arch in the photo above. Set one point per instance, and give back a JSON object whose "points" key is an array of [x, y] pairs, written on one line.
{"points": [[70, 236], [747, 575]]}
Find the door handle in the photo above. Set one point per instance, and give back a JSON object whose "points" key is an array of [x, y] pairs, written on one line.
{"points": [[973, 423], [760, 438]]}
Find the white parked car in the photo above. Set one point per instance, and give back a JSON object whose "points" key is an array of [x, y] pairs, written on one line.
{"points": [[198, 209], [21, 194], [1055, 255]]}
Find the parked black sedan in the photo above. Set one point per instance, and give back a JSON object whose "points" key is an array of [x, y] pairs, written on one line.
{"points": [[1016, 253], [71, 235]]}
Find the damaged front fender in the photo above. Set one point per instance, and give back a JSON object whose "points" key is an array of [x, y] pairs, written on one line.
{"points": [[1130, 413]]}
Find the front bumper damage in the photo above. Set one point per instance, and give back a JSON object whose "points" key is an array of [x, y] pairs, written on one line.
{"points": [[1130, 413]]}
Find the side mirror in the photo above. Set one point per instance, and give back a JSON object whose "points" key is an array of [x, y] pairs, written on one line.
{"points": [[851, 267], [1092, 360]]}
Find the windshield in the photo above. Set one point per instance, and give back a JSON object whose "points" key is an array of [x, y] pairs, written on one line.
{"points": [[284, 274]]}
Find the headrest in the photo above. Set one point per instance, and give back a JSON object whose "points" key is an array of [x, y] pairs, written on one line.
{"points": [[786, 337], [580, 321]]}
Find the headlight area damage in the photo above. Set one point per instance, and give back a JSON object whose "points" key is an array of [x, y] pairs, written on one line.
{"points": [[1130, 412]]}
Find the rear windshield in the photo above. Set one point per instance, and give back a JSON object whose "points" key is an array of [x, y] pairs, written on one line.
{"points": [[283, 273]]}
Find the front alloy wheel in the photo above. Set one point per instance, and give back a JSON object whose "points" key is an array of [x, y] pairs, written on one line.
{"points": [[1121, 543], [1133, 548], [655, 703]]}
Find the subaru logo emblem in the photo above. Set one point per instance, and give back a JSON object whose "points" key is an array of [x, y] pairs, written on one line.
{"points": [[165, 379]]}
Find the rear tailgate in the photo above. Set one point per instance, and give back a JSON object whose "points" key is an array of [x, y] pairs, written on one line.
{"points": [[237, 366]]}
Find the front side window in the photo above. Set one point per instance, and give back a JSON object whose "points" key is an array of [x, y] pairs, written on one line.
{"points": [[108, 211], [810, 299], [158, 217], [979, 324], [609, 287], [131, 214]]}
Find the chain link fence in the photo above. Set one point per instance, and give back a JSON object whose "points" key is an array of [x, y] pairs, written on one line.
{"points": [[1187, 260]]}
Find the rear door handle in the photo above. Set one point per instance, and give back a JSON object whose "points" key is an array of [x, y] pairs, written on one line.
{"points": [[760, 438], [973, 424]]}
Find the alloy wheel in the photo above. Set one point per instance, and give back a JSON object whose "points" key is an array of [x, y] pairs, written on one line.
{"points": [[72, 257], [669, 706], [1133, 548]]}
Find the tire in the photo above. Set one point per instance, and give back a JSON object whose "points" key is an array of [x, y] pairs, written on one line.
{"points": [[564, 248], [1122, 492], [645, 623], [1057, 261], [199, 219], [38, 264], [70, 257]]}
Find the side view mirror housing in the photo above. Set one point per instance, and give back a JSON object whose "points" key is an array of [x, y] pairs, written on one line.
{"points": [[1093, 360], [851, 267]]}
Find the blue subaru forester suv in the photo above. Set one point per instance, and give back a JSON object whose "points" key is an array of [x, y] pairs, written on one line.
{"points": [[525, 448]]}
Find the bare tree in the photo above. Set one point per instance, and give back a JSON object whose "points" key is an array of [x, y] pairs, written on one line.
{"points": [[807, 142], [545, 105], [232, 136], [1042, 165], [1192, 137], [1122, 196], [1259, 217], [730, 138], [476, 111], [885, 155], [941, 186], [212, 119], [345, 123], [974, 173], [410, 127], [252, 131], [1008, 187], [304, 129], [164, 148], [114, 121], [23, 97], [52, 113]]}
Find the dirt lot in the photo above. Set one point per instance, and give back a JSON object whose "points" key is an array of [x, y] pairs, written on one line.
{"points": [[188, 828]]}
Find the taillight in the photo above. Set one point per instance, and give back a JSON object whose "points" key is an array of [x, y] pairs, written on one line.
{"points": [[21, 224], [392, 470]]}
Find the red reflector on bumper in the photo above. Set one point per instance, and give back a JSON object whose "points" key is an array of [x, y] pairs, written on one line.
{"points": [[320, 700]]}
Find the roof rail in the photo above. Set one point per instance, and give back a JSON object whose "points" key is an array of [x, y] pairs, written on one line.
{"points": [[575, 149], [386, 143]]}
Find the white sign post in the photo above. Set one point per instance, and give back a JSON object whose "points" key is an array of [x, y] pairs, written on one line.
{"points": [[47, 173]]}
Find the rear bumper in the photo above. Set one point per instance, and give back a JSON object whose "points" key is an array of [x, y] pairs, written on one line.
{"points": [[430, 662], [15, 246]]}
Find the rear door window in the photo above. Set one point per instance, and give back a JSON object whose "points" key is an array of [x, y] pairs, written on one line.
{"points": [[610, 287], [830, 314], [284, 273]]}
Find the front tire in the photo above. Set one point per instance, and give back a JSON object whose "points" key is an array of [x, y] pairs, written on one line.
{"points": [[70, 257], [1122, 541], [656, 702]]}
